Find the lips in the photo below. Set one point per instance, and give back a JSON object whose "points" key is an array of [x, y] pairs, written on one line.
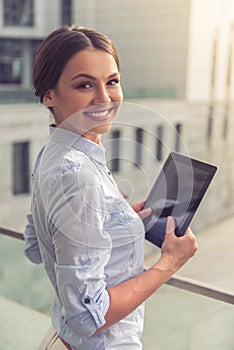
{"points": [[100, 115]]}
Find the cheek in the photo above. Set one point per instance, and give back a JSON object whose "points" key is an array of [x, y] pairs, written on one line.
{"points": [[77, 103]]}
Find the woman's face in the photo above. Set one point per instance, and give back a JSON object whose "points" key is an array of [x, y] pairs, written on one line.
{"points": [[89, 84]]}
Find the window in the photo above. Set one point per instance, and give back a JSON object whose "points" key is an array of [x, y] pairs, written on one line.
{"points": [[178, 128], [35, 44], [18, 13], [20, 168], [228, 83], [139, 142], [159, 144], [11, 58], [115, 150], [210, 125], [66, 12], [225, 123]]}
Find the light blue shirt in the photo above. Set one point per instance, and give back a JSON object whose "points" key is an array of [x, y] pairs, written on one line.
{"points": [[89, 239]]}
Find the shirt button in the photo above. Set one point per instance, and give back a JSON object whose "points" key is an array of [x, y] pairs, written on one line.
{"points": [[87, 301]]}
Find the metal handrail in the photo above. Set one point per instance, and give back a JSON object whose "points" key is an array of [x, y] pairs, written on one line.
{"points": [[177, 281], [11, 233], [202, 288]]}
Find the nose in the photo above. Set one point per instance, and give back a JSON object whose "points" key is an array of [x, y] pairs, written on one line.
{"points": [[102, 95]]}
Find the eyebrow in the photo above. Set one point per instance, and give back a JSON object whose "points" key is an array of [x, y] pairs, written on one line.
{"points": [[88, 76]]}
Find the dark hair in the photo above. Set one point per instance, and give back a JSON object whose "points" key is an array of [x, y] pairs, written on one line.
{"points": [[58, 48]]}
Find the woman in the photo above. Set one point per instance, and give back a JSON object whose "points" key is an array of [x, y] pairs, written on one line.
{"points": [[89, 238]]}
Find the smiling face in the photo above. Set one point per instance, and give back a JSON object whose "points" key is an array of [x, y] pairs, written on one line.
{"points": [[88, 88]]}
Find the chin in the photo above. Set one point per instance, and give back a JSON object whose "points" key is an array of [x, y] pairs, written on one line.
{"points": [[95, 133], [102, 129]]}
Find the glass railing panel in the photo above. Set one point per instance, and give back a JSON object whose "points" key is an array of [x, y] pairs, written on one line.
{"points": [[174, 318], [180, 320], [214, 259], [21, 328], [20, 280]]}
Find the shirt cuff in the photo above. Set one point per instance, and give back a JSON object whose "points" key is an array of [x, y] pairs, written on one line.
{"points": [[33, 254], [84, 300], [84, 325]]}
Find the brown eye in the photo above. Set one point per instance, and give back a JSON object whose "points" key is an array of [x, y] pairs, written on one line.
{"points": [[113, 82], [84, 86]]}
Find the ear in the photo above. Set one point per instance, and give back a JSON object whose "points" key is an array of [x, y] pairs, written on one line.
{"points": [[49, 98]]}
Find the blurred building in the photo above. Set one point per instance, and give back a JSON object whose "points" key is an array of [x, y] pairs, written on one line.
{"points": [[177, 67], [174, 49], [177, 53]]}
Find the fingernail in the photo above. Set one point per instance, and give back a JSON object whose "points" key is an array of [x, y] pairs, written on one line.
{"points": [[170, 224], [148, 211]]}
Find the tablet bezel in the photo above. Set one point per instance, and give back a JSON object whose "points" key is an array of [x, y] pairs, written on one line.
{"points": [[177, 158]]}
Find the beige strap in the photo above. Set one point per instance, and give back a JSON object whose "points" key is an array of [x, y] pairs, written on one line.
{"points": [[52, 341]]}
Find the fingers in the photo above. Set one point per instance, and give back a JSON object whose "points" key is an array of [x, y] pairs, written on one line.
{"points": [[189, 234], [176, 251], [170, 228], [138, 206], [188, 238], [145, 213]]}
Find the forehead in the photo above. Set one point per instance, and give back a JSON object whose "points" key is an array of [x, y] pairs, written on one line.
{"points": [[91, 61]]}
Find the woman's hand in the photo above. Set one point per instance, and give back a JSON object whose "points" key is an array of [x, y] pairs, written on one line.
{"points": [[143, 213], [176, 250]]}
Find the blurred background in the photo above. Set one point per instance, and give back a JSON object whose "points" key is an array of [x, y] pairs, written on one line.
{"points": [[177, 65]]}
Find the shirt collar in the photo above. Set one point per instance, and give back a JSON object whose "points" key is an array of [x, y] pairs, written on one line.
{"points": [[93, 150]]}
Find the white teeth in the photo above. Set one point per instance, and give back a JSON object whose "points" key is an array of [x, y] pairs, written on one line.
{"points": [[98, 114]]}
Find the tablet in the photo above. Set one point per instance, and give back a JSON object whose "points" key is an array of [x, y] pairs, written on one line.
{"points": [[177, 192]]}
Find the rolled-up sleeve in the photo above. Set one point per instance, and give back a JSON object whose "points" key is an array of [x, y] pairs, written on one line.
{"points": [[85, 302], [82, 249], [31, 250]]}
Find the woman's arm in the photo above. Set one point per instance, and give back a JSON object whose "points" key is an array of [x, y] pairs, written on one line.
{"points": [[127, 296]]}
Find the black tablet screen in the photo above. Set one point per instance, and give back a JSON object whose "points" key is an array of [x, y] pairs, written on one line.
{"points": [[177, 192]]}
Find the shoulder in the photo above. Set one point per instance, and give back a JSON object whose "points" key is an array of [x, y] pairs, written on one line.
{"points": [[73, 169], [63, 164], [78, 163]]}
